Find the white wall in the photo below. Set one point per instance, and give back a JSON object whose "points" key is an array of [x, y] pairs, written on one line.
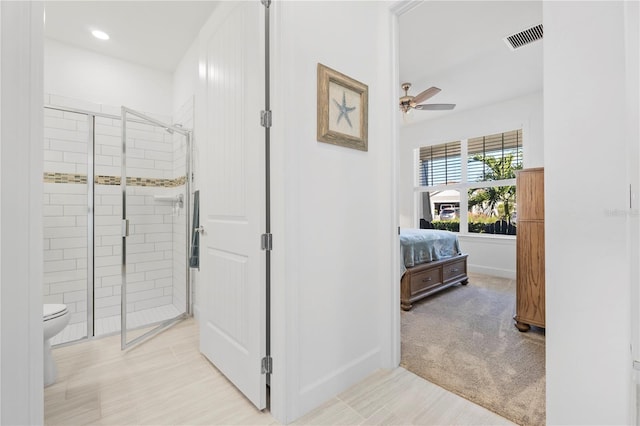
{"points": [[185, 78], [21, 200], [587, 266], [489, 255], [332, 215], [82, 74], [632, 16], [1, 258], [495, 255]]}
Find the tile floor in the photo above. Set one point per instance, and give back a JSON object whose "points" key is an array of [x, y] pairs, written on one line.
{"points": [[167, 381]]}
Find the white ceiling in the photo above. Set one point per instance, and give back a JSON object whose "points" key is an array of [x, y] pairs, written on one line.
{"points": [[458, 46], [454, 45], [155, 34]]}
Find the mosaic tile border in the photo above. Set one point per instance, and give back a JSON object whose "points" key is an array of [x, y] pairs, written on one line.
{"points": [[114, 180], [64, 178]]}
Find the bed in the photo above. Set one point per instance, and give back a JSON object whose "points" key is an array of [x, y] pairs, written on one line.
{"points": [[431, 261]]}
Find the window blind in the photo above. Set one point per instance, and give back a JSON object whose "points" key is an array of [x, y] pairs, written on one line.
{"points": [[440, 164], [498, 146]]}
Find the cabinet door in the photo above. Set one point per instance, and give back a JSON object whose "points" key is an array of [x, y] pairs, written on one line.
{"points": [[530, 273], [530, 184]]}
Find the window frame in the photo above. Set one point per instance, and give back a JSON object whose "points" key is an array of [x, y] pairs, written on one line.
{"points": [[462, 187]]}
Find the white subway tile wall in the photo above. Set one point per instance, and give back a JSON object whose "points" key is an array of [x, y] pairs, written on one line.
{"points": [[65, 213], [156, 249]]}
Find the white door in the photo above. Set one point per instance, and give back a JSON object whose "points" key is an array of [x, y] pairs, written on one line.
{"points": [[232, 287]]}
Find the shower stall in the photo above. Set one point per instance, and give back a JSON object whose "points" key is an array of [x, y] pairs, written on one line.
{"points": [[116, 219]]}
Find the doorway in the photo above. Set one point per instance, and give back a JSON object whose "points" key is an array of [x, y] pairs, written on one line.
{"points": [[485, 105]]}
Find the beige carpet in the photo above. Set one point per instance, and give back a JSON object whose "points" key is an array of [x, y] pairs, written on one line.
{"points": [[463, 339]]}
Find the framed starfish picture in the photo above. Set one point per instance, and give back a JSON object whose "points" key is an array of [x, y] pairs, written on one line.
{"points": [[342, 109]]}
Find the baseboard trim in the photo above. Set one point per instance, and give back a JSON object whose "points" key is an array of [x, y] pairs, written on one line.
{"points": [[496, 272], [313, 395], [196, 313]]}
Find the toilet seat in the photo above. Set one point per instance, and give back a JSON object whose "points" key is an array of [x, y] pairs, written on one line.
{"points": [[51, 311]]}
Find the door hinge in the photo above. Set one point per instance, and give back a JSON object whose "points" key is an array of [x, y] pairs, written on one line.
{"points": [[267, 365], [267, 242], [266, 3], [125, 227], [636, 365], [265, 119]]}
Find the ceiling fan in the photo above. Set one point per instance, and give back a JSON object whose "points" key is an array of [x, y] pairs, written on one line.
{"points": [[407, 103]]}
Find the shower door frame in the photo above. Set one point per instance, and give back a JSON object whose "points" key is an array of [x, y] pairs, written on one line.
{"points": [[142, 118], [91, 117]]}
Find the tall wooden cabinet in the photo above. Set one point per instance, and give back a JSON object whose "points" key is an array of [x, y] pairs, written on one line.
{"points": [[530, 292]]}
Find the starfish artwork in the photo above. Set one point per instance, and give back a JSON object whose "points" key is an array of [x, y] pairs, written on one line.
{"points": [[344, 110]]}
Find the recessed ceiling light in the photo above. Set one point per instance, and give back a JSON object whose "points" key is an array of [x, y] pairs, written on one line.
{"points": [[100, 34]]}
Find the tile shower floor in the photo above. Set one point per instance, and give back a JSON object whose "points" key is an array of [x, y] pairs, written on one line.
{"points": [[111, 325]]}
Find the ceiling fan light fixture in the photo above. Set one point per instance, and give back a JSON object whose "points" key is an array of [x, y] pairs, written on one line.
{"points": [[405, 108], [407, 102]]}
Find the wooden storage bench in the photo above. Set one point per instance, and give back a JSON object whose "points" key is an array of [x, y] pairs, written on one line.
{"points": [[427, 278]]}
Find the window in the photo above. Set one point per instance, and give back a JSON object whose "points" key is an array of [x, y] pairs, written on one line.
{"points": [[478, 196], [440, 164], [503, 148]]}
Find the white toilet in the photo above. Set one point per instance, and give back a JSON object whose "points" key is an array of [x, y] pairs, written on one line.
{"points": [[56, 317]]}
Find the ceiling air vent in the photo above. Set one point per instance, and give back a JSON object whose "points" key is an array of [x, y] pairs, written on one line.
{"points": [[522, 38]]}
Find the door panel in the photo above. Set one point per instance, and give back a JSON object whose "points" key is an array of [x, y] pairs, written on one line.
{"points": [[232, 305], [155, 212]]}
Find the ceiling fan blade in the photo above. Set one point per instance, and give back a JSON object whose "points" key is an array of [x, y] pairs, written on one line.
{"points": [[435, 107], [421, 97]]}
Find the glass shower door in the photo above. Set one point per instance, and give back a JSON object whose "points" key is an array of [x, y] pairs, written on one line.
{"points": [[68, 219], [155, 220]]}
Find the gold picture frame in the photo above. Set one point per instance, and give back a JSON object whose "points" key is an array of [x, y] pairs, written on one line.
{"points": [[342, 109]]}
